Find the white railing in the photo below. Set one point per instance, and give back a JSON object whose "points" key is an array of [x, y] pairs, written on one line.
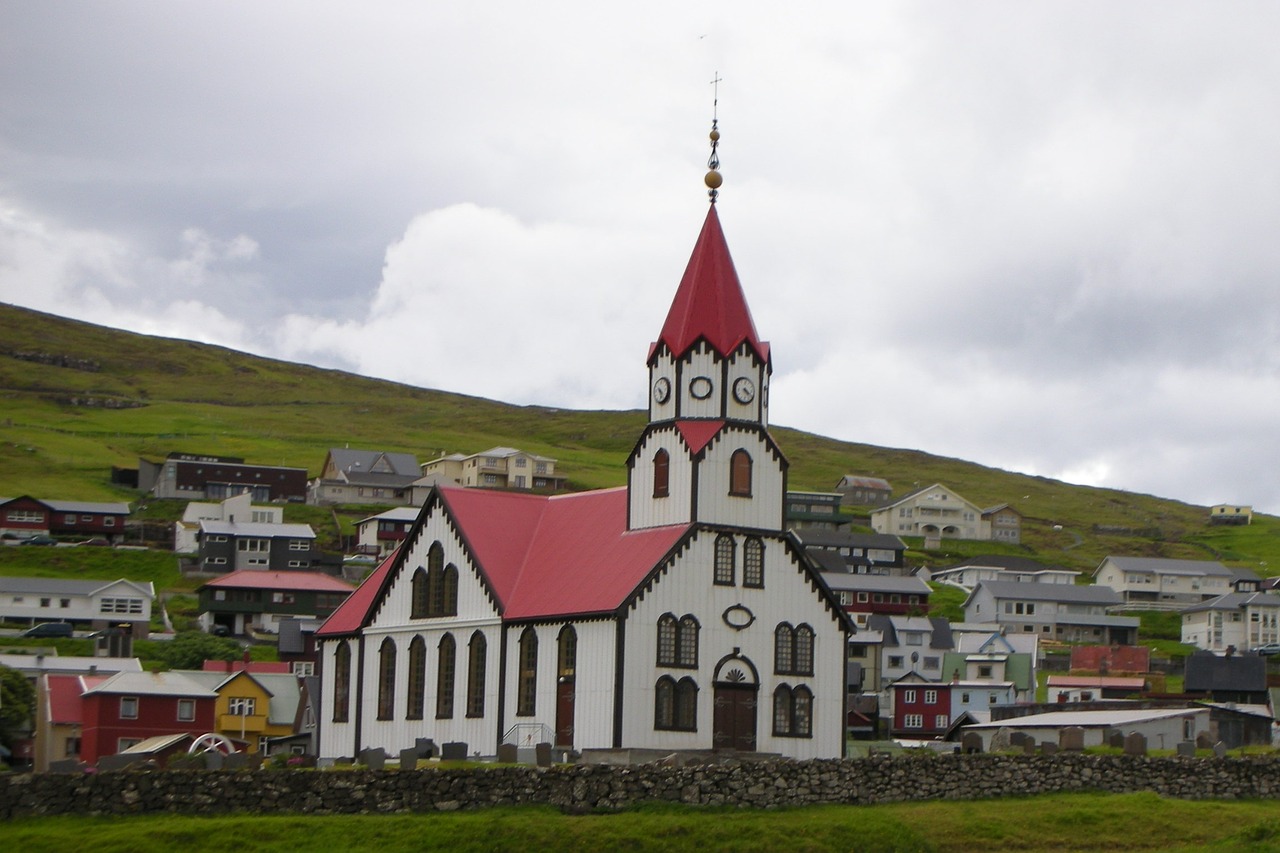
{"points": [[529, 735]]}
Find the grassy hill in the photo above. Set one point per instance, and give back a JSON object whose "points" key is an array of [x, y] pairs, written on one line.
{"points": [[78, 399]]}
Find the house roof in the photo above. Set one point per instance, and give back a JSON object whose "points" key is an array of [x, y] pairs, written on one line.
{"points": [[283, 689], [908, 584], [69, 664], [152, 684], [539, 555], [1236, 601], [299, 581], [1088, 719], [1061, 592], [709, 303], [1112, 682], [1007, 562], [257, 528], [1206, 672], [56, 586], [255, 667], [65, 707], [851, 481], [400, 513], [1165, 566], [88, 507], [828, 561], [815, 538], [156, 743], [909, 495], [365, 461]]}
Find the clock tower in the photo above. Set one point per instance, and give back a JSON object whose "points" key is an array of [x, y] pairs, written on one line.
{"points": [[706, 455]]}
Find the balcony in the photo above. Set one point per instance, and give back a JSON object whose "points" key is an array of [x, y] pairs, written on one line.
{"points": [[234, 723]]}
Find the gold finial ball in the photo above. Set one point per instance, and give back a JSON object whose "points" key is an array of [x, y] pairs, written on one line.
{"points": [[714, 179], [715, 136]]}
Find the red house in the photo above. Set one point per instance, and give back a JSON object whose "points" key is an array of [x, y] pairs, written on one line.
{"points": [[921, 709], [28, 516], [129, 707]]}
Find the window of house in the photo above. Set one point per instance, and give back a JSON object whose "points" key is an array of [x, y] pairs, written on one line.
{"points": [[964, 698], [725, 568], [792, 711], [64, 603], [941, 721], [386, 679], [128, 707], [931, 697], [913, 721], [753, 562], [186, 710], [740, 474], [863, 598], [302, 668], [895, 660], [342, 682], [527, 686], [242, 706], [931, 663], [299, 545], [282, 598], [445, 677], [125, 742], [477, 653], [416, 699], [908, 696], [661, 474]]}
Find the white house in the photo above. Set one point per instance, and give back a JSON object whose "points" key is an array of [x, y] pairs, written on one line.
{"points": [[1066, 612], [1239, 620], [673, 613], [1157, 583], [1001, 567], [86, 604], [186, 532], [382, 533], [1164, 728]]}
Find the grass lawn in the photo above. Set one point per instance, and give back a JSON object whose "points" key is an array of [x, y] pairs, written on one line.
{"points": [[1074, 822], [86, 563]]}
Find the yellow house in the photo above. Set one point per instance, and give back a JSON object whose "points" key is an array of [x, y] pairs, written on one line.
{"points": [[253, 707]]}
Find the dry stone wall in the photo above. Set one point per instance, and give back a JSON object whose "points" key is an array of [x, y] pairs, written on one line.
{"points": [[584, 788]]}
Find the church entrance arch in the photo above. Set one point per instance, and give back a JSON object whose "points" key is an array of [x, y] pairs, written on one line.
{"points": [[736, 690]]}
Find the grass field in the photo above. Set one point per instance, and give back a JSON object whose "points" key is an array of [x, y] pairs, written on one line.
{"points": [[1077, 822]]}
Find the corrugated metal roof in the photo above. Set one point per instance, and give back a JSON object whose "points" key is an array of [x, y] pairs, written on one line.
{"points": [[55, 586], [254, 579], [152, 684], [400, 513], [709, 304], [909, 584], [257, 528], [1063, 592], [1165, 566], [88, 507]]}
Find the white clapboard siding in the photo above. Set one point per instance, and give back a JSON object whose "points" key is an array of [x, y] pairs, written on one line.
{"points": [[763, 510]]}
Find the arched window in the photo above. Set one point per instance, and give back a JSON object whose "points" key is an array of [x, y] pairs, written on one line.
{"points": [[740, 474], [686, 705], [661, 474], [687, 643], [566, 652], [783, 649], [782, 710], [444, 677], [792, 711], [753, 563], [725, 559], [527, 687], [803, 662], [342, 682], [450, 607], [418, 603], [435, 580], [386, 679], [417, 678], [476, 655], [664, 703], [667, 636]]}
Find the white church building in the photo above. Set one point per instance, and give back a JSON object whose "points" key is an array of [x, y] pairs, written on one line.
{"points": [[674, 613]]}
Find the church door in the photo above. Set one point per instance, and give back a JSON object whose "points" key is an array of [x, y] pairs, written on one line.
{"points": [[566, 671], [736, 690]]}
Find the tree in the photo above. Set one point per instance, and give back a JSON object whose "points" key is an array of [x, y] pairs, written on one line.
{"points": [[190, 649], [17, 705]]}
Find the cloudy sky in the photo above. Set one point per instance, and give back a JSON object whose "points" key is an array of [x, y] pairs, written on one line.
{"points": [[1039, 236]]}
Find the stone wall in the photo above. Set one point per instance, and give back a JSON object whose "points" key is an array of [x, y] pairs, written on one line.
{"points": [[582, 788]]}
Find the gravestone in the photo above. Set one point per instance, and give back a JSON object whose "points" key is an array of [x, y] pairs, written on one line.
{"points": [[971, 742], [109, 763], [66, 765], [453, 751], [409, 758], [1186, 749], [375, 758], [1220, 750], [543, 752], [426, 747], [1116, 740], [1135, 744], [236, 761], [1000, 740], [507, 753], [1017, 739], [253, 761], [214, 760], [1204, 741], [1029, 746], [1071, 739], [1048, 747]]}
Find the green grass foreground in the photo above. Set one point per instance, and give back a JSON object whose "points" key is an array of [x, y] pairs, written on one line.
{"points": [[1075, 822]]}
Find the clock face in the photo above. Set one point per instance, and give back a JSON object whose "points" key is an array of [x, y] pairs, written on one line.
{"points": [[744, 390], [662, 390], [700, 387]]}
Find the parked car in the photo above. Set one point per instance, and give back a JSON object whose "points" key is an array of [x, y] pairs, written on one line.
{"points": [[1267, 649], [48, 629], [39, 539]]}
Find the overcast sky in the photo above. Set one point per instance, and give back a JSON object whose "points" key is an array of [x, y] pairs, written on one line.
{"points": [[1039, 236]]}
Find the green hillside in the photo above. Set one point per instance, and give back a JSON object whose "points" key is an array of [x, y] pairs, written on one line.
{"points": [[78, 399]]}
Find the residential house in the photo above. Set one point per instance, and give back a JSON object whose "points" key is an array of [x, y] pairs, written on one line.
{"points": [[1087, 688], [213, 478], [382, 533], [28, 516], [864, 553], [59, 720], [87, 605], [125, 709], [1000, 567], [993, 658], [254, 600], [1002, 523], [856, 490], [1230, 678], [975, 699], [934, 512], [252, 707], [1236, 620], [910, 644], [498, 468], [1234, 725], [1156, 583], [364, 477], [231, 546], [1064, 612], [813, 511], [296, 645], [186, 532], [863, 595], [1164, 728], [1230, 514], [674, 613], [921, 707]]}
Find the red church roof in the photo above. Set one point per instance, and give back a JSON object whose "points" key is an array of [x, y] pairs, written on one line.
{"points": [[541, 556], [709, 303]]}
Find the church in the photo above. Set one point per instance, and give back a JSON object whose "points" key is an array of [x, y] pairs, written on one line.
{"points": [[675, 613]]}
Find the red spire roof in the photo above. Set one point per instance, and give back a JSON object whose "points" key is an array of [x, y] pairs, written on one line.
{"points": [[709, 303]]}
